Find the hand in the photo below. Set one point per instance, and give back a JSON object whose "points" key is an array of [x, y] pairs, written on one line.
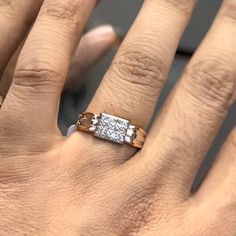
{"points": [[52, 185]]}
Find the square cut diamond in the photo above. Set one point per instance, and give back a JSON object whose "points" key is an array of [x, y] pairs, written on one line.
{"points": [[111, 128]]}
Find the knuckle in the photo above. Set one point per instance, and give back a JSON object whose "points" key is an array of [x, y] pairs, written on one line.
{"points": [[140, 70], [37, 78], [7, 8], [184, 6], [212, 81], [63, 10], [6, 3], [134, 80], [229, 10]]}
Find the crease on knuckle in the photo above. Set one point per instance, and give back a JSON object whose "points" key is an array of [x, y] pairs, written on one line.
{"points": [[229, 10], [184, 6], [63, 11], [135, 78], [140, 71], [37, 78], [212, 82], [6, 9], [6, 3], [9, 8]]}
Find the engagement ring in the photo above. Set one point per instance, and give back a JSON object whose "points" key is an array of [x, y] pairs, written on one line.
{"points": [[111, 128]]}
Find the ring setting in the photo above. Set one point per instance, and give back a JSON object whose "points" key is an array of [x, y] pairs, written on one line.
{"points": [[111, 128]]}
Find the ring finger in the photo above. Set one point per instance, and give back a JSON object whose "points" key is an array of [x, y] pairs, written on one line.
{"points": [[133, 83]]}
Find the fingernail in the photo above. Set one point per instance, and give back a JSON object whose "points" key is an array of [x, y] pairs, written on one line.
{"points": [[102, 31]]}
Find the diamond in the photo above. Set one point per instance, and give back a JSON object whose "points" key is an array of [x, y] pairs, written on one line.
{"points": [[130, 132], [111, 128], [128, 139]]}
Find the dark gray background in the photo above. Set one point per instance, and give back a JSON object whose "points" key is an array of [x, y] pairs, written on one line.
{"points": [[121, 13]]}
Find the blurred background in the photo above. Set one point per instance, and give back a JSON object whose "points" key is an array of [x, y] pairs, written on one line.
{"points": [[121, 14]]}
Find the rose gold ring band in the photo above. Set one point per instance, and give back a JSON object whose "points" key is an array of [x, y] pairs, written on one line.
{"points": [[111, 128]]}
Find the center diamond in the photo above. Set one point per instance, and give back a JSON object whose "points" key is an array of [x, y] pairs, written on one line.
{"points": [[111, 128]]}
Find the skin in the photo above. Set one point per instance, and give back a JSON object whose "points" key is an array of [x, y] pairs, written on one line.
{"points": [[52, 185], [93, 45]]}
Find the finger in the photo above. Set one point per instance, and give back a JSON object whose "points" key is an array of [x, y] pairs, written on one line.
{"points": [[137, 74], [196, 108], [221, 179], [15, 20], [43, 65], [93, 46]]}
